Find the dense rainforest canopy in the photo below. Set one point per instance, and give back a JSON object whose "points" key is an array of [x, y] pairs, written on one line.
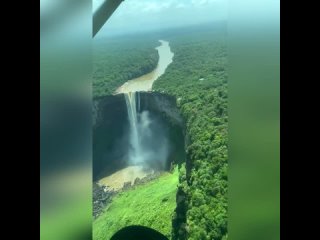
{"points": [[197, 77], [119, 60]]}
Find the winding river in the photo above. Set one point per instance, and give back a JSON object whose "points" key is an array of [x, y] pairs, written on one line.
{"points": [[142, 83], [145, 82]]}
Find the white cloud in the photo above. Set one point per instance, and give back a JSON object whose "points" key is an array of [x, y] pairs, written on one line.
{"points": [[96, 4], [200, 3], [135, 15], [156, 6], [181, 5]]}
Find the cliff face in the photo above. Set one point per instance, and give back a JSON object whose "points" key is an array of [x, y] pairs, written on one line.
{"points": [[163, 104], [111, 125], [155, 102], [106, 109]]}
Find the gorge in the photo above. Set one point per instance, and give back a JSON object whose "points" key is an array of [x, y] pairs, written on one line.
{"points": [[148, 139]]}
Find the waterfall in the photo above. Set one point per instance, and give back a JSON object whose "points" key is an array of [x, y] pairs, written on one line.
{"points": [[131, 108], [147, 141], [135, 144], [138, 93]]}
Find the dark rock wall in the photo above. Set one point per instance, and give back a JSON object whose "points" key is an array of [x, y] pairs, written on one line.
{"points": [[111, 125]]}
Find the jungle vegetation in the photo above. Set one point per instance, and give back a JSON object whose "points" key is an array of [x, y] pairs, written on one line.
{"points": [[151, 204], [116, 61], [197, 78]]}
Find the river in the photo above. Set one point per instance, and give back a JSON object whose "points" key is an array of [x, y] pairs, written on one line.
{"points": [[145, 82], [137, 151]]}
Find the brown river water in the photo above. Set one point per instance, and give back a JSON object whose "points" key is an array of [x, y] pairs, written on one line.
{"points": [[145, 82], [142, 83]]}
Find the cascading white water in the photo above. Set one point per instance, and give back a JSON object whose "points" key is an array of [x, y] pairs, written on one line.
{"points": [[135, 148], [147, 141], [138, 94]]}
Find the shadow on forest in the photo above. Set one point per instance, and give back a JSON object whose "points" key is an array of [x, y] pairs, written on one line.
{"points": [[138, 233]]}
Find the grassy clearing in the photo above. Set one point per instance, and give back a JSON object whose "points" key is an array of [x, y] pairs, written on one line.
{"points": [[151, 205]]}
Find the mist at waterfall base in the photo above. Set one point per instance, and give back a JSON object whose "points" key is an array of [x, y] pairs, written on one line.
{"points": [[148, 145]]}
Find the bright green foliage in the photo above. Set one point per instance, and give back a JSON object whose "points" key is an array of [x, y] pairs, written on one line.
{"points": [[151, 205], [198, 79]]}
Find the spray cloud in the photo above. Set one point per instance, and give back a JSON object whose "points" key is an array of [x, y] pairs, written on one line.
{"points": [[148, 145]]}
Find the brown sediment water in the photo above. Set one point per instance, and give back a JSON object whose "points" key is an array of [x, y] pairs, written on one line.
{"points": [[145, 82], [142, 83], [116, 180]]}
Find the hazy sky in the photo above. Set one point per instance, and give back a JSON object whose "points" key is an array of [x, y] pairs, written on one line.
{"points": [[141, 15]]}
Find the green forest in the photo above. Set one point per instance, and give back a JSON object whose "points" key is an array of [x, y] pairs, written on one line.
{"points": [[151, 204], [197, 77], [116, 61]]}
